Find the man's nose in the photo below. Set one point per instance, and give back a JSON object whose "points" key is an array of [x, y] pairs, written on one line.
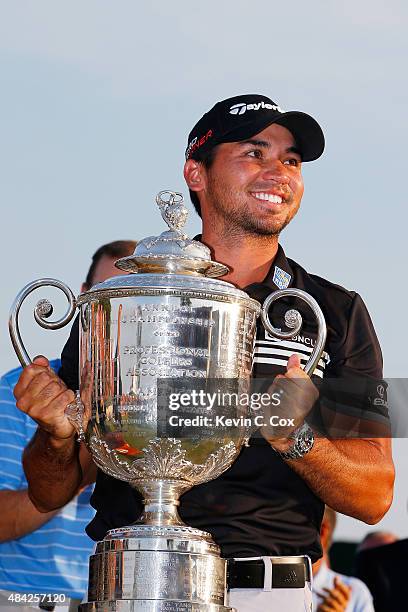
{"points": [[276, 171]]}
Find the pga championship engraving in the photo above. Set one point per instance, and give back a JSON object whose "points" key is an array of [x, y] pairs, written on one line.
{"points": [[169, 317]]}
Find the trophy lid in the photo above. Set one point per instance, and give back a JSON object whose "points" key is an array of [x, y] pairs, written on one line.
{"points": [[172, 252]]}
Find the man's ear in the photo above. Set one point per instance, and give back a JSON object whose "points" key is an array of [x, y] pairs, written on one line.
{"points": [[325, 534], [194, 174]]}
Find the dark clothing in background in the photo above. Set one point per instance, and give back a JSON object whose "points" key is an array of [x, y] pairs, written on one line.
{"points": [[384, 570]]}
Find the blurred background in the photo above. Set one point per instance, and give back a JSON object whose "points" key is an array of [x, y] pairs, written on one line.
{"points": [[98, 99]]}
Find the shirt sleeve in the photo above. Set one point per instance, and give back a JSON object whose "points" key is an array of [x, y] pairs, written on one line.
{"points": [[14, 435], [360, 354], [353, 399], [361, 598]]}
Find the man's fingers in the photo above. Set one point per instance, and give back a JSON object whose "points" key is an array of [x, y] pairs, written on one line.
{"points": [[302, 380], [297, 395], [39, 394], [339, 594], [44, 397], [335, 598], [331, 604], [294, 370], [41, 360], [26, 377], [293, 362], [298, 376], [53, 401], [295, 388], [50, 415], [36, 381], [343, 588]]}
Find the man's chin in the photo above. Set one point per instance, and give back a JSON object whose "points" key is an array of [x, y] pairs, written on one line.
{"points": [[266, 226], [268, 229], [270, 225]]}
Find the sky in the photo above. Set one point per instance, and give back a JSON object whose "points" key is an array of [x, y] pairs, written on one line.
{"points": [[97, 101]]}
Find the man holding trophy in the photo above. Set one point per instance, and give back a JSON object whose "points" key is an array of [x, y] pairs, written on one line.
{"points": [[243, 170]]}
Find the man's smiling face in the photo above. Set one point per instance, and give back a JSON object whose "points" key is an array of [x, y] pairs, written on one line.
{"points": [[256, 185]]}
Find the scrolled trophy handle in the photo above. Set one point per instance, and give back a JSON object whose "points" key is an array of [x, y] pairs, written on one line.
{"points": [[42, 311], [293, 320]]}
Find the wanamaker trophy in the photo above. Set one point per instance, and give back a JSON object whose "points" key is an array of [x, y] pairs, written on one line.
{"points": [[170, 317]]}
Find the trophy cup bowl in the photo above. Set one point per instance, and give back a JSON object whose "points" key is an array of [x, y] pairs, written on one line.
{"points": [[169, 319]]}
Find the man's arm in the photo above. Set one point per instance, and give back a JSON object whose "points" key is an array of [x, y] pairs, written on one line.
{"points": [[354, 476], [56, 470], [19, 516], [51, 460], [52, 469]]}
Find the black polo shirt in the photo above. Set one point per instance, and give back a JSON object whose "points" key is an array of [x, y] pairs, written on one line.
{"points": [[259, 506]]}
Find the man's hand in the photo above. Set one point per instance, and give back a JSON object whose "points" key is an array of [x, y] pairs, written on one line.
{"points": [[44, 397], [51, 459], [335, 599], [298, 395]]}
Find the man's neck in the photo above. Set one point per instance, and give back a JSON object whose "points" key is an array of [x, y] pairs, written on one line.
{"points": [[324, 560], [249, 258]]}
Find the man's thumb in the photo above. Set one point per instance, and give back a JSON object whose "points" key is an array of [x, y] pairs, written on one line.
{"points": [[293, 361], [41, 361]]}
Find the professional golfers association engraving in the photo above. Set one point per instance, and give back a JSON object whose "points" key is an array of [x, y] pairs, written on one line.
{"points": [[169, 317]]}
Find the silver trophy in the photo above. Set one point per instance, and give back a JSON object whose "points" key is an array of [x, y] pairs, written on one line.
{"points": [[169, 318]]}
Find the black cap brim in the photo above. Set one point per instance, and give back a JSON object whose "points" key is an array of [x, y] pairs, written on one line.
{"points": [[306, 131]]}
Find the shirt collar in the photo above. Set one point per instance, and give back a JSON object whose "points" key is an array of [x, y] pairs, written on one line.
{"points": [[321, 578], [280, 276]]}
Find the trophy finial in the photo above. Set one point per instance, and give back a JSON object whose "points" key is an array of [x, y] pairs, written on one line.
{"points": [[172, 252], [172, 209]]}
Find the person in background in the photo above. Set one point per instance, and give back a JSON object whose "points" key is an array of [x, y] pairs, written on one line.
{"points": [[376, 538], [44, 553], [334, 592]]}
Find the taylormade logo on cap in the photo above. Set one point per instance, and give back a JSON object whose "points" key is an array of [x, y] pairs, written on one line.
{"points": [[236, 119], [196, 143], [242, 107]]}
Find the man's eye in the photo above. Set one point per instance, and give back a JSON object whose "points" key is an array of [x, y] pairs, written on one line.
{"points": [[292, 162], [257, 153]]}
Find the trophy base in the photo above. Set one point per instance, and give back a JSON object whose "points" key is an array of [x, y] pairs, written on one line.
{"points": [[151, 568], [145, 605]]}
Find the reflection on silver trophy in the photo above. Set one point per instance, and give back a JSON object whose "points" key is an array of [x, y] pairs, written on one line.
{"points": [[169, 318]]}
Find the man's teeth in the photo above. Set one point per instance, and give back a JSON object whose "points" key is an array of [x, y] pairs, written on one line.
{"points": [[269, 197]]}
